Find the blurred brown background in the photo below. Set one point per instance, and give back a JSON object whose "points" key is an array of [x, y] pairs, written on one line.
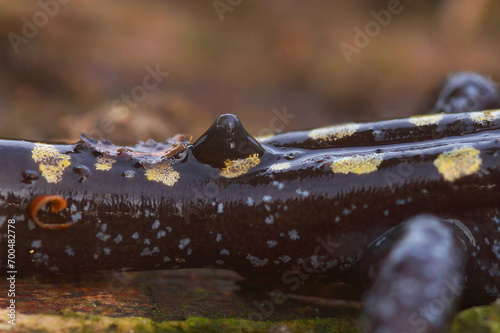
{"points": [[64, 64]]}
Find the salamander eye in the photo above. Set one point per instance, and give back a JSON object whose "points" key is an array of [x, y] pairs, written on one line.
{"points": [[225, 140]]}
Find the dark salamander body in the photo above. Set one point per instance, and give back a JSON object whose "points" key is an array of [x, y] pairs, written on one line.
{"points": [[343, 203]]}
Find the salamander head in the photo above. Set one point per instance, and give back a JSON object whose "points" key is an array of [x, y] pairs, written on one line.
{"points": [[465, 92], [225, 140]]}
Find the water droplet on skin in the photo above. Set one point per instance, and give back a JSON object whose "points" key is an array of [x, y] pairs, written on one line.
{"points": [[128, 174], [29, 176], [292, 155], [378, 135]]}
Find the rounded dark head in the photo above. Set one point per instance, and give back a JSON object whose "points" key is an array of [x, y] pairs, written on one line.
{"points": [[225, 140], [465, 92]]}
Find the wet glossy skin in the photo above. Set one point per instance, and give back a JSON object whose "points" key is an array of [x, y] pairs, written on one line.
{"points": [[343, 203], [346, 185]]}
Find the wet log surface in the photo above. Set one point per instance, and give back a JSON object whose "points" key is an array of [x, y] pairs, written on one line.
{"points": [[184, 301], [167, 296]]}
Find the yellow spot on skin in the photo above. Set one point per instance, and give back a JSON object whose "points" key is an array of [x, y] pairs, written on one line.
{"points": [[358, 164], [162, 173], [280, 166], [239, 167], [104, 163], [32, 251], [425, 120], [334, 133], [51, 162], [484, 116], [458, 162]]}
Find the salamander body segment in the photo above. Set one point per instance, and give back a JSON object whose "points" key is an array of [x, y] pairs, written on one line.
{"points": [[134, 206], [340, 203]]}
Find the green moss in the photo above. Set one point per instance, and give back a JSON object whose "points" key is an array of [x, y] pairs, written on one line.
{"points": [[197, 324], [480, 319], [74, 322], [484, 319]]}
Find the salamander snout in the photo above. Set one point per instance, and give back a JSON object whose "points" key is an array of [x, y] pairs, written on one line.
{"points": [[225, 140]]}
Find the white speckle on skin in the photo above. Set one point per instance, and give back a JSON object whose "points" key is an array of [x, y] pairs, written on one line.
{"points": [[220, 208], [184, 242], [148, 252], [219, 262], [155, 225], [161, 233], [257, 262], [269, 219], [169, 229], [272, 243], [224, 252], [400, 202], [69, 251], [135, 235], [18, 217], [282, 234], [76, 217], [107, 251], [189, 251], [178, 205], [267, 198], [303, 193], [118, 238], [279, 185], [285, 259], [147, 241], [250, 201], [36, 244], [337, 219], [496, 248], [218, 238], [2, 218], [102, 236], [294, 234], [104, 227], [165, 259], [386, 213]]}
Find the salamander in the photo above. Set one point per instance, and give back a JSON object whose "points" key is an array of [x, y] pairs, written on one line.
{"points": [[406, 209]]}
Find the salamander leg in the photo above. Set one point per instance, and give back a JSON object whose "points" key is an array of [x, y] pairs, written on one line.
{"points": [[418, 281]]}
